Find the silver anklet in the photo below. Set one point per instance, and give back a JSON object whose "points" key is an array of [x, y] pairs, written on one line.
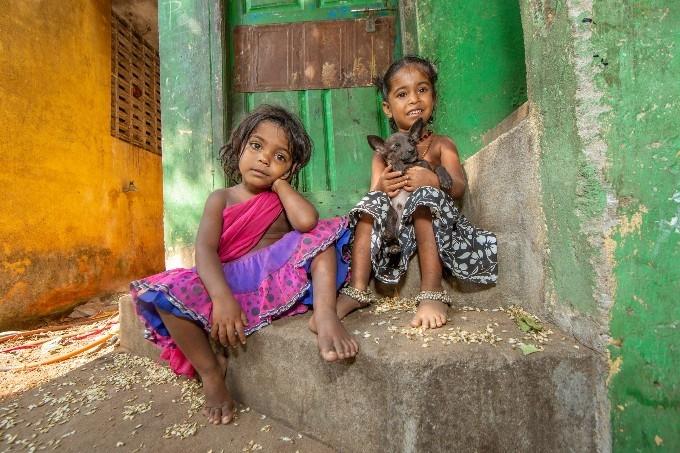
{"points": [[365, 297], [441, 296]]}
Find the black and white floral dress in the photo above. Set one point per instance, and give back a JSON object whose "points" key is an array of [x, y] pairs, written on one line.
{"points": [[468, 252]]}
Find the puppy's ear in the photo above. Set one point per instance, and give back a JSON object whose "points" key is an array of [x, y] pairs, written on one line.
{"points": [[377, 143], [416, 130]]}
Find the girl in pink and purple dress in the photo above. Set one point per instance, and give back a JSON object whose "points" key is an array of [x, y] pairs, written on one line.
{"points": [[261, 254]]}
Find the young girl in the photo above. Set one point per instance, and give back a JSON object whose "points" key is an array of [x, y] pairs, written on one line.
{"points": [[431, 222], [257, 244]]}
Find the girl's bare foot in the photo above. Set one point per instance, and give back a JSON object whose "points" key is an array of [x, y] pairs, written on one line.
{"points": [[430, 314], [347, 305], [335, 343], [344, 306], [219, 406]]}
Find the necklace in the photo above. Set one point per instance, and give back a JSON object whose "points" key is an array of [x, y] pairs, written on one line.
{"points": [[424, 137]]}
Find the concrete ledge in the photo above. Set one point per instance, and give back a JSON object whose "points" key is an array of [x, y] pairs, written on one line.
{"points": [[506, 124], [132, 331], [400, 396]]}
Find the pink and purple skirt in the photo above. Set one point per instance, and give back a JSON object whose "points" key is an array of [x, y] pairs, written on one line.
{"points": [[269, 283]]}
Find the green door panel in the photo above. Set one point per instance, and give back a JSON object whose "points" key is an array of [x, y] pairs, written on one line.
{"points": [[260, 12], [337, 120]]}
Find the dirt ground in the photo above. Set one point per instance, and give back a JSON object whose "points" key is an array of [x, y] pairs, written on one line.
{"points": [[105, 400]]}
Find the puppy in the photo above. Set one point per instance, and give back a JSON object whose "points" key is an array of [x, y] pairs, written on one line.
{"points": [[399, 150]]}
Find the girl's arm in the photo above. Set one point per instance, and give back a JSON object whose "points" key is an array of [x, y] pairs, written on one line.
{"points": [[448, 158], [451, 162], [301, 214], [228, 320]]}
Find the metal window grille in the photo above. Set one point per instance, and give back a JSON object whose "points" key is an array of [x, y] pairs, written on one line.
{"points": [[135, 88]]}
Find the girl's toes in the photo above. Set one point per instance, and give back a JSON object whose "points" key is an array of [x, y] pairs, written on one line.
{"points": [[227, 414], [339, 348], [416, 322], [354, 347]]}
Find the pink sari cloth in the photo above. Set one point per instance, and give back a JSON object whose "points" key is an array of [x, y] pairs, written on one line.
{"points": [[245, 223]]}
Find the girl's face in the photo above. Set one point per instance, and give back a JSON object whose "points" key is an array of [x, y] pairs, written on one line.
{"points": [[410, 97], [265, 157]]}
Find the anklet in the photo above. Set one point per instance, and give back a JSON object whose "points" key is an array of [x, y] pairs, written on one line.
{"points": [[365, 297], [441, 296]]}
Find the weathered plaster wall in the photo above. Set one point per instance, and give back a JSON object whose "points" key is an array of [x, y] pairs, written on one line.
{"points": [[602, 77], [68, 232], [576, 198], [639, 42], [480, 57], [574, 189], [192, 106]]}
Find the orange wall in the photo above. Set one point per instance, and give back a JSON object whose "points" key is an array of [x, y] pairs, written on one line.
{"points": [[67, 230]]}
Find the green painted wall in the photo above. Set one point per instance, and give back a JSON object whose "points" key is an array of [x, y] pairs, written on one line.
{"points": [[192, 106], [602, 80], [639, 41], [480, 56], [572, 189]]}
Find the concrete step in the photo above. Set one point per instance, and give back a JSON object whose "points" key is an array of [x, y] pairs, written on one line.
{"points": [[408, 392]]}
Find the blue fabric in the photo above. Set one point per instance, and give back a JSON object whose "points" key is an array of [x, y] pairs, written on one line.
{"points": [[148, 302]]}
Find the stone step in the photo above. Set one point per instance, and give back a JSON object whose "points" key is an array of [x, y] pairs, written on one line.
{"points": [[408, 392]]}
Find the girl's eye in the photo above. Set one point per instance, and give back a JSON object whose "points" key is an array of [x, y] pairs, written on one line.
{"points": [[423, 89], [255, 145], [281, 157], [401, 94]]}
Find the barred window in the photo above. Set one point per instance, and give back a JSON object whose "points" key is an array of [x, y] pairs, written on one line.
{"points": [[135, 88]]}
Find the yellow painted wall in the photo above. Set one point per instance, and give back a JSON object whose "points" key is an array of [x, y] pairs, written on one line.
{"points": [[67, 230]]}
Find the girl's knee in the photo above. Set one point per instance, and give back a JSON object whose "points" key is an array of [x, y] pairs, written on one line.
{"points": [[324, 259], [423, 212], [366, 218]]}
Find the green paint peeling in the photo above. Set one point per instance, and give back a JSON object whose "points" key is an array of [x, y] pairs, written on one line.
{"points": [[572, 192], [639, 42], [480, 56], [620, 62]]}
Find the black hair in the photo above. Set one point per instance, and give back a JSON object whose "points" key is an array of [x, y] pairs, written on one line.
{"points": [[426, 66], [299, 143]]}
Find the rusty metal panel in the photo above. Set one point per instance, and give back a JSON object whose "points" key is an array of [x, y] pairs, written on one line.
{"points": [[311, 55]]}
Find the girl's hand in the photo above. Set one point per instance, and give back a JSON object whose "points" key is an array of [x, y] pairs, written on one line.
{"points": [[228, 323], [419, 177], [391, 182], [278, 183]]}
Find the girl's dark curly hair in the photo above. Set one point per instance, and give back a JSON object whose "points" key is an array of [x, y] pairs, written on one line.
{"points": [[383, 84], [299, 143]]}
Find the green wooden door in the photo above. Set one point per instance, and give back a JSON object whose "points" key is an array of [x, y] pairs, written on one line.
{"points": [[338, 118]]}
